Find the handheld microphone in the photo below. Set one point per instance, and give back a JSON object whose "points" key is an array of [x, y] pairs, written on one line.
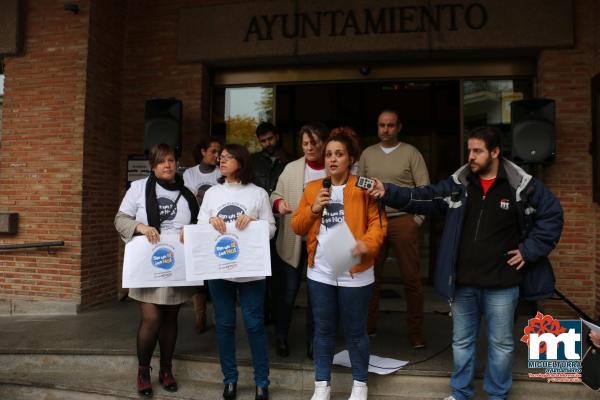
{"points": [[326, 185]]}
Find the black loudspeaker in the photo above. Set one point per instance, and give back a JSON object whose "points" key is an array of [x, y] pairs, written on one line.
{"points": [[163, 123], [533, 131]]}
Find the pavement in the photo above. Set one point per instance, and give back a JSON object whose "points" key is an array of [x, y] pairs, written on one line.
{"points": [[109, 333]]}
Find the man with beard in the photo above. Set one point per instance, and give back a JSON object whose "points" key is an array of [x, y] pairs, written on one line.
{"points": [[501, 224], [268, 164]]}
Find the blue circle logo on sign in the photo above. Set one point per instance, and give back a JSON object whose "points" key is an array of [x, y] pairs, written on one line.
{"points": [[163, 258], [227, 248]]}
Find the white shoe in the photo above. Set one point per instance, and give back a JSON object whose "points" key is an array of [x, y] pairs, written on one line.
{"points": [[450, 398], [322, 391], [359, 391]]}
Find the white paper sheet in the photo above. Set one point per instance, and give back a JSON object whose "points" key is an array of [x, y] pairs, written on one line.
{"points": [[236, 254], [593, 327], [338, 245], [377, 365], [155, 265]]}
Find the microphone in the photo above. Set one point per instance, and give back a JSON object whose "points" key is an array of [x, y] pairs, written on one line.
{"points": [[326, 185]]}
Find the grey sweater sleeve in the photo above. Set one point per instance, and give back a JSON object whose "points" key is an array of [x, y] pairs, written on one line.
{"points": [[125, 225]]}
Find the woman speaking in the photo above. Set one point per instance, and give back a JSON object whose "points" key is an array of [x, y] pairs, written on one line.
{"points": [[153, 206], [345, 298]]}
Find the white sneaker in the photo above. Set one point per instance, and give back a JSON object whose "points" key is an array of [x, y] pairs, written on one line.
{"points": [[359, 391], [322, 391], [450, 398]]}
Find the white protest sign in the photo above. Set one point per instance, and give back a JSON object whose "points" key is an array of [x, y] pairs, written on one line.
{"points": [[155, 265], [236, 254]]}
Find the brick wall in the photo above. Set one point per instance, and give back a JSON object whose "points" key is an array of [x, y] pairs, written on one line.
{"points": [[151, 70], [564, 75], [595, 16], [40, 158], [73, 111], [101, 168], [1, 105]]}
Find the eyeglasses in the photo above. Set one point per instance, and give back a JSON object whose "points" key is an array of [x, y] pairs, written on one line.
{"points": [[227, 157]]}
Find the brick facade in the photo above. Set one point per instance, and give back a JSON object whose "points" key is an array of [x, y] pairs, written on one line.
{"points": [[73, 112], [564, 75], [101, 163], [41, 156]]}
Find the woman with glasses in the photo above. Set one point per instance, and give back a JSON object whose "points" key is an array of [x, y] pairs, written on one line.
{"points": [[290, 247], [344, 297], [237, 201], [159, 204]]}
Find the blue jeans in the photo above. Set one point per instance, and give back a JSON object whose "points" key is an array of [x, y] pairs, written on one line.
{"points": [[252, 296], [350, 305], [287, 280], [497, 306]]}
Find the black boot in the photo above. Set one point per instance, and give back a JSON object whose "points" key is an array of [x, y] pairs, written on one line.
{"points": [[309, 350], [230, 391], [282, 348], [262, 393]]}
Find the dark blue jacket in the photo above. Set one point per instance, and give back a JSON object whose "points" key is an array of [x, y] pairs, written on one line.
{"points": [[540, 222]]}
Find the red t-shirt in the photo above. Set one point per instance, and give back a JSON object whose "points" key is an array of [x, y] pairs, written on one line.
{"points": [[485, 184]]}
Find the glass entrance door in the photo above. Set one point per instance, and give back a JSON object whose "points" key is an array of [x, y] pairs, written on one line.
{"points": [[237, 112]]}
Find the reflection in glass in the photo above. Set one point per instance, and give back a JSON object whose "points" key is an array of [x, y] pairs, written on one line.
{"points": [[240, 112], [487, 102]]}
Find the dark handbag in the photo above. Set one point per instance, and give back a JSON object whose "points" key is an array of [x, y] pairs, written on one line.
{"points": [[538, 280], [590, 368]]}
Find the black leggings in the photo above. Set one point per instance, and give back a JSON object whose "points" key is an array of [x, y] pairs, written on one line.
{"points": [[158, 322]]}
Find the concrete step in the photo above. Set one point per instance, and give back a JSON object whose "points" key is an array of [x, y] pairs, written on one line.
{"points": [[90, 376], [59, 386]]}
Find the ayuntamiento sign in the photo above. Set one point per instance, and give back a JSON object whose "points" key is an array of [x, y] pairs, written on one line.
{"points": [[267, 29]]}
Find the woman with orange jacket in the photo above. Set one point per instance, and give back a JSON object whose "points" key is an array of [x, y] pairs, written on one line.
{"points": [[326, 203]]}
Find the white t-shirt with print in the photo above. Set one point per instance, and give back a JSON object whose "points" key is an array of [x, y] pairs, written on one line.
{"points": [[199, 182], [230, 200], [172, 216], [311, 174], [333, 214]]}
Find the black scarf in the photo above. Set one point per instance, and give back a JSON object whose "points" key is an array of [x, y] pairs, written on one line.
{"points": [[152, 203]]}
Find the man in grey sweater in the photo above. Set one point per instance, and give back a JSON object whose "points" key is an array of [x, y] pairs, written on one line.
{"points": [[393, 161]]}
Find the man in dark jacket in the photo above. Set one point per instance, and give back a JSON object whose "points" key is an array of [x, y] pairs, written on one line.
{"points": [[501, 224], [268, 164]]}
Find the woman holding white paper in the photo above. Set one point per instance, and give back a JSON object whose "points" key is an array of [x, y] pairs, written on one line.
{"points": [[239, 202], [325, 204], [159, 204]]}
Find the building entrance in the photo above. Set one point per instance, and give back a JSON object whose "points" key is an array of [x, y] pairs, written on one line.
{"points": [[434, 113]]}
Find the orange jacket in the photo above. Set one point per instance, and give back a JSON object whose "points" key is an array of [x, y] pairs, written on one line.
{"points": [[361, 213]]}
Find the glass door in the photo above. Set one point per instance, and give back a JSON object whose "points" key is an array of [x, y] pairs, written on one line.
{"points": [[237, 111], [487, 102]]}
